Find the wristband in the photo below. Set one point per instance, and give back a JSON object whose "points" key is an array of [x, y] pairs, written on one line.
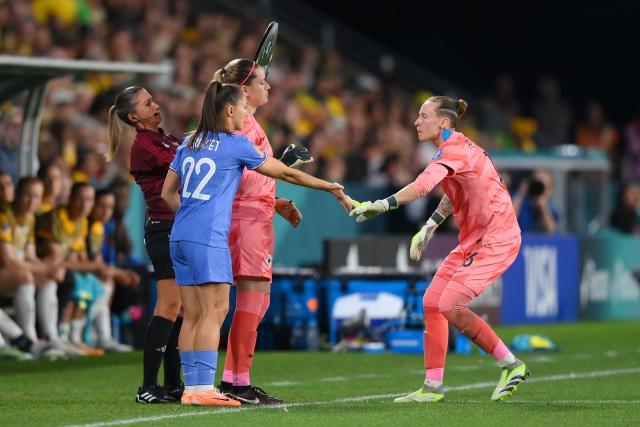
{"points": [[439, 219], [392, 203]]}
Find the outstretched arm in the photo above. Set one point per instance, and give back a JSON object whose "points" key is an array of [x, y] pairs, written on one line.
{"points": [[432, 175], [276, 169]]}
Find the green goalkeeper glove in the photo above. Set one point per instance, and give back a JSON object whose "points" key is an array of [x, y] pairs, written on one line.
{"points": [[368, 210], [421, 239]]}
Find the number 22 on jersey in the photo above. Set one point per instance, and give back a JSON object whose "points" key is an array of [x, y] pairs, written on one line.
{"points": [[188, 166]]}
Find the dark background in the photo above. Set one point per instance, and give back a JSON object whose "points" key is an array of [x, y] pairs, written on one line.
{"points": [[590, 47]]}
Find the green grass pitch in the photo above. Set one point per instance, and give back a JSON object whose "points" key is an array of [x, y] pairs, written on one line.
{"points": [[594, 380]]}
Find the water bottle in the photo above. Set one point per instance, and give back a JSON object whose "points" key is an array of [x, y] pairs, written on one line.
{"points": [[297, 336], [313, 339]]}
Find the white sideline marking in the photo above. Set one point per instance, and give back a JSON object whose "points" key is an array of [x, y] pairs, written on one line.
{"points": [[557, 377], [582, 356], [283, 383], [370, 376], [556, 402], [333, 379]]}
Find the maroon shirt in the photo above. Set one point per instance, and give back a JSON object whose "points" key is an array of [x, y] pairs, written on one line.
{"points": [[151, 155]]}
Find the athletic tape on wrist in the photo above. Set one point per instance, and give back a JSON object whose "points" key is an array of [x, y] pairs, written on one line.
{"points": [[393, 202], [439, 219]]}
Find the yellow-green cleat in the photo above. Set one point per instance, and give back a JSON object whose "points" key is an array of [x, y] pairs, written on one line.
{"points": [[422, 396], [509, 380]]}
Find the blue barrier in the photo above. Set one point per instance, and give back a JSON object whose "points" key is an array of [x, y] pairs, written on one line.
{"points": [[542, 284]]}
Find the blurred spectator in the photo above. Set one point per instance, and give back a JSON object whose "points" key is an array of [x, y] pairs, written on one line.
{"points": [[499, 111], [533, 205], [552, 113], [625, 213], [595, 131], [632, 149], [7, 189], [10, 126], [51, 176]]}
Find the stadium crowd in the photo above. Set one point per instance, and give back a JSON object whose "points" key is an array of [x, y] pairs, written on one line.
{"points": [[357, 126]]}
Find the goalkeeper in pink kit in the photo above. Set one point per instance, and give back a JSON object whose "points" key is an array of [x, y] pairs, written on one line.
{"points": [[489, 241], [251, 238]]}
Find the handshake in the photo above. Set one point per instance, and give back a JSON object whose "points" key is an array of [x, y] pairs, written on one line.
{"points": [[364, 211]]}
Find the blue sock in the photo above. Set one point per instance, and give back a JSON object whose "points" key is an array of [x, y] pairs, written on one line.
{"points": [[206, 363], [188, 362]]}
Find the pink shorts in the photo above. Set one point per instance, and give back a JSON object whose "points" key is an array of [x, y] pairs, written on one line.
{"points": [[251, 244], [472, 272]]}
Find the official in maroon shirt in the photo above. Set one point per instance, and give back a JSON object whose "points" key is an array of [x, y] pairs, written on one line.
{"points": [[151, 154]]}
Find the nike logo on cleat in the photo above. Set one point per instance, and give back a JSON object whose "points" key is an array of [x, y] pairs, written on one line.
{"points": [[254, 401]]}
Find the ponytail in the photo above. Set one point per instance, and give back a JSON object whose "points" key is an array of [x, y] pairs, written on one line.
{"points": [[451, 108], [238, 71], [463, 106], [217, 97], [113, 135], [220, 75], [208, 116], [123, 105]]}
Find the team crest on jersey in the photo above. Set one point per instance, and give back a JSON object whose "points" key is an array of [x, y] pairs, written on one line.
{"points": [[437, 155]]}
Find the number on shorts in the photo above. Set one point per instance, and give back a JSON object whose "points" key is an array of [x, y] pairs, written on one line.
{"points": [[467, 262], [190, 164]]}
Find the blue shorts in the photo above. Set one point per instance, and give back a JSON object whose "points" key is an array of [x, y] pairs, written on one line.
{"points": [[196, 264]]}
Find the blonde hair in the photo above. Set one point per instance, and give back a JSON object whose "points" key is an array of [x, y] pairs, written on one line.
{"points": [[123, 105], [238, 71], [451, 108]]}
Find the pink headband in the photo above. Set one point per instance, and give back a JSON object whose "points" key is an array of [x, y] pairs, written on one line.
{"points": [[249, 75]]}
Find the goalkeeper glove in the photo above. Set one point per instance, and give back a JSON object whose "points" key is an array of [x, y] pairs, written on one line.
{"points": [[289, 211], [368, 210], [295, 156], [420, 241]]}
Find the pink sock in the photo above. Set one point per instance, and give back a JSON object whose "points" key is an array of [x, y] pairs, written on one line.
{"points": [[502, 354], [434, 377], [243, 334]]}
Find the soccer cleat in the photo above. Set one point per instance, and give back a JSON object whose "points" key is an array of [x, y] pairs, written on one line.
{"points": [[186, 397], [255, 396], [11, 353], [422, 396], [113, 346], [175, 393], [225, 388], [153, 394], [49, 352], [509, 380], [212, 398], [88, 351], [68, 348]]}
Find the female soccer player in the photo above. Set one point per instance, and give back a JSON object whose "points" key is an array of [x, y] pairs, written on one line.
{"points": [[489, 240], [251, 240], [200, 185], [151, 153]]}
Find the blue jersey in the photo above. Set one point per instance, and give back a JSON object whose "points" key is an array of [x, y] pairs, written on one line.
{"points": [[209, 179]]}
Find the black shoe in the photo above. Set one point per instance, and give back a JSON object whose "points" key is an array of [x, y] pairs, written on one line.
{"points": [[175, 393], [254, 396], [225, 388], [153, 394]]}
